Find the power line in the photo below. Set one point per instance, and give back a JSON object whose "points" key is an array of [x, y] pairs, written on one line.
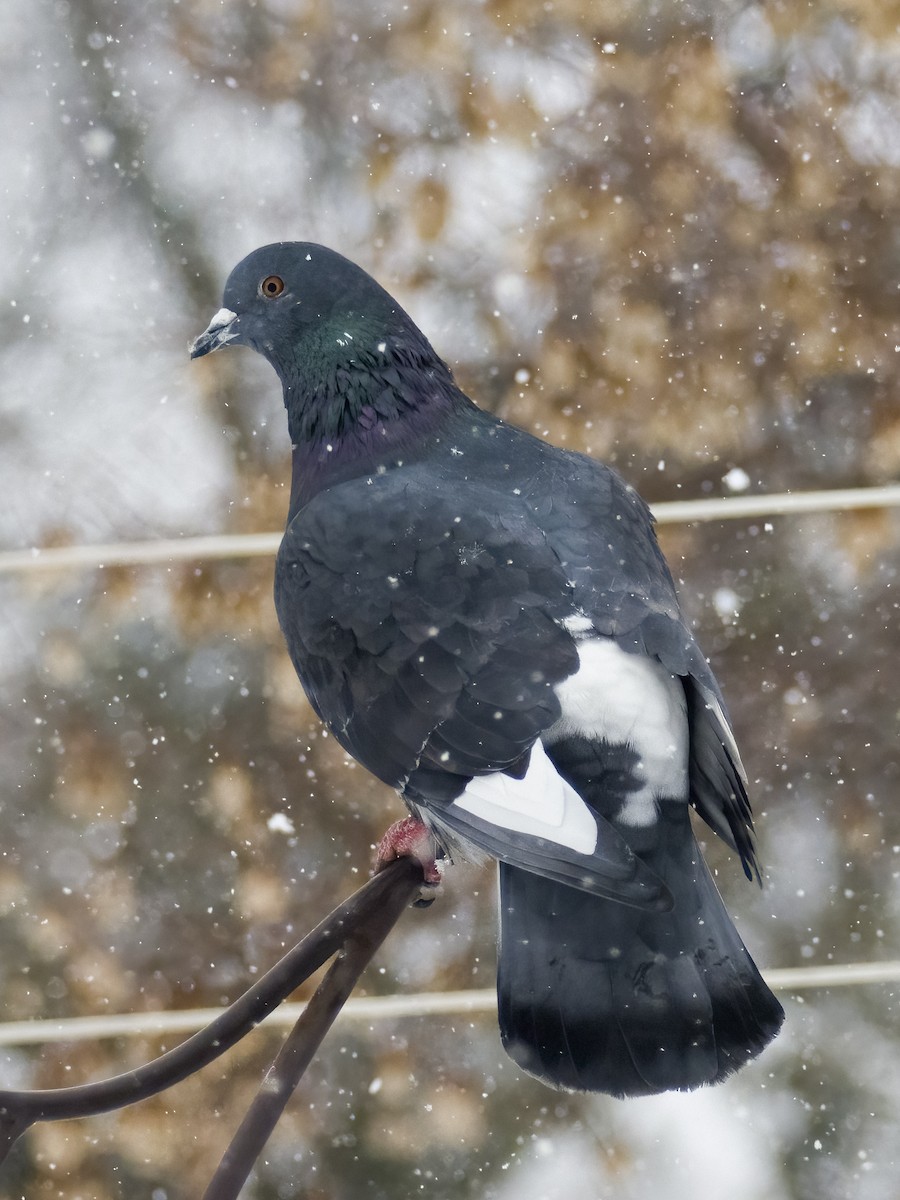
{"points": [[255, 545], [362, 1009], [773, 504], [118, 554]]}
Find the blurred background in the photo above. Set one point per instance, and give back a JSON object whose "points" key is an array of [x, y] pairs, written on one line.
{"points": [[665, 233]]}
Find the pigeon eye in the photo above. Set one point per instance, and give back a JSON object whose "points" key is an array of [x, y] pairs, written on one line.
{"points": [[271, 286]]}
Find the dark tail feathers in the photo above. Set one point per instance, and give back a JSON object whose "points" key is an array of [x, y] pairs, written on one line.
{"points": [[598, 996]]}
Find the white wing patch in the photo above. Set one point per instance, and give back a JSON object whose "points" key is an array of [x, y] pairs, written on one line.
{"points": [[541, 804], [577, 624], [629, 699]]}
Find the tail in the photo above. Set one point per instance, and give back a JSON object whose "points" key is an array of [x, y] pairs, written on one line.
{"points": [[599, 996]]}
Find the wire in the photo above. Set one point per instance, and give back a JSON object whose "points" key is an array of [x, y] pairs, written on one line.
{"points": [[726, 508], [117, 554], [255, 545], [363, 1009]]}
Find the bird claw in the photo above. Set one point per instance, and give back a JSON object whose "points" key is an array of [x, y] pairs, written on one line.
{"points": [[411, 838]]}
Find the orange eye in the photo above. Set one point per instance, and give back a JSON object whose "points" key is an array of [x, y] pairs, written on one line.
{"points": [[271, 286]]}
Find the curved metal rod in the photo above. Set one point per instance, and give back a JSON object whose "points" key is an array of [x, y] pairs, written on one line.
{"points": [[301, 1044], [399, 879]]}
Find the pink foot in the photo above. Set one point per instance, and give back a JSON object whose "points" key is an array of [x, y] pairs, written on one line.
{"points": [[410, 838]]}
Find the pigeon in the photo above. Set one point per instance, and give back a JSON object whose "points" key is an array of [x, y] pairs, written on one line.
{"points": [[486, 622]]}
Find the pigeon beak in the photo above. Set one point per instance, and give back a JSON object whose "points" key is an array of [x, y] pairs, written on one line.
{"points": [[221, 330]]}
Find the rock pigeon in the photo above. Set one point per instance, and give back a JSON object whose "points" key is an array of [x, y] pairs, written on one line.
{"points": [[486, 622]]}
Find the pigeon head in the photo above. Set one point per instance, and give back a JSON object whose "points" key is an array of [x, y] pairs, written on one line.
{"points": [[359, 378], [309, 311]]}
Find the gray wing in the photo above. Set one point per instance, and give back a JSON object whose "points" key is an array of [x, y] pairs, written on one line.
{"points": [[428, 635], [426, 616], [622, 583]]}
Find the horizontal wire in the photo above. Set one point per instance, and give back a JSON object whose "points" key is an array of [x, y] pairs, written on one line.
{"points": [[254, 545], [118, 554], [383, 1008], [774, 504]]}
